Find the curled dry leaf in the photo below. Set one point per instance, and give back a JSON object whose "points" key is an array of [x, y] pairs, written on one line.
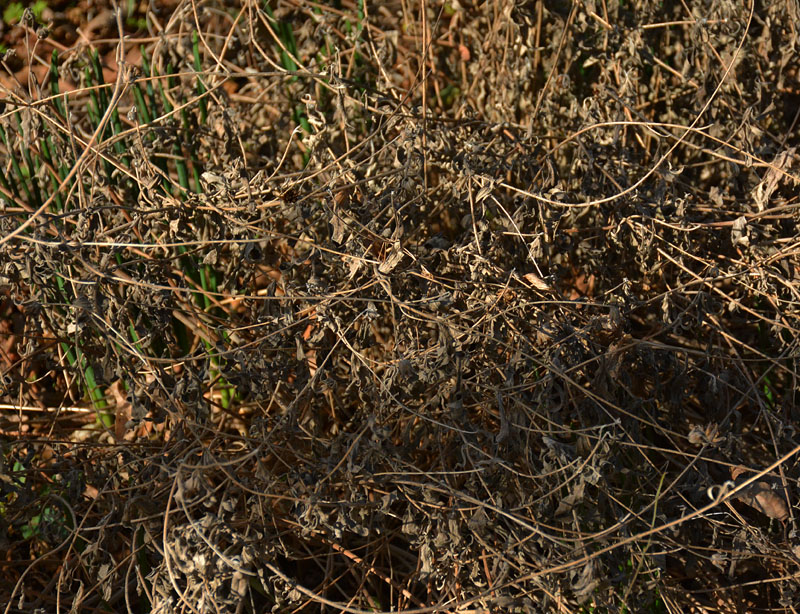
{"points": [[393, 258], [763, 497], [537, 282], [123, 410]]}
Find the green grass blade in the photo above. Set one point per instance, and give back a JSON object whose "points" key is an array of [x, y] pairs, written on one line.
{"points": [[198, 67]]}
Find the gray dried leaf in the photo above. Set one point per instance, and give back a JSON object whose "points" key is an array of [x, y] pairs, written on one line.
{"points": [[739, 235], [571, 500], [585, 583], [210, 258], [479, 520], [777, 172], [392, 259]]}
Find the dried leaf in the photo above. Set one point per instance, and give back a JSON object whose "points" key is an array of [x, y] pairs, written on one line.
{"points": [[392, 259], [569, 502], [739, 234], [778, 171], [585, 583], [123, 410], [537, 282], [762, 496]]}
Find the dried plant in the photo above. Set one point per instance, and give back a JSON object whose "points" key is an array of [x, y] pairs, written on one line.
{"points": [[400, 306]]}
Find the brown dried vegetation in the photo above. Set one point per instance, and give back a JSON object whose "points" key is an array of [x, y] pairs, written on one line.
{"points": [[431, 306]]}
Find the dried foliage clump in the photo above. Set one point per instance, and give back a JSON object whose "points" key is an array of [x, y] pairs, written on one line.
{"points": [[438, 306]]}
